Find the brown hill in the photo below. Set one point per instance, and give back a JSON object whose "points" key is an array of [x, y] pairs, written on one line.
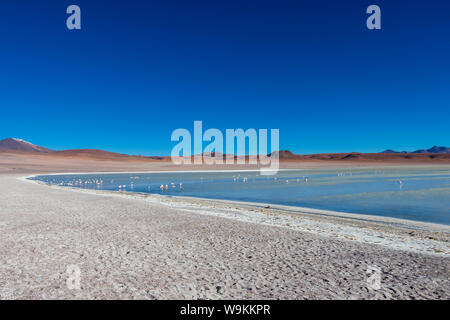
{"points": [[14, 144], [95, 154]]}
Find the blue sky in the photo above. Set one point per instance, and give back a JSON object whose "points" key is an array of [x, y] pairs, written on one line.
{"points": [[140, 69]]}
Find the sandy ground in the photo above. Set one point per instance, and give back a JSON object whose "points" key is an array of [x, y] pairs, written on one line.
{"points": [[140, 247]]}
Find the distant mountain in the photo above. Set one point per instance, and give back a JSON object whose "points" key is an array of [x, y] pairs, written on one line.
{"points": [[13, 145], [285, 155], [435, 149], [21, 145], [393, 151]]}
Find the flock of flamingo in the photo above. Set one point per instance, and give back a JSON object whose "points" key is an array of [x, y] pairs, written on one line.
{"points": [[98, 183]]}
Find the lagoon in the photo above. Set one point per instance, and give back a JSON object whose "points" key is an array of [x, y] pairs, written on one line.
{"points": [[414, 193]]}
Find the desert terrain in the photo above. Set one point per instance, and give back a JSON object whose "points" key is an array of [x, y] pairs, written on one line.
{"points": [[136, 247]]}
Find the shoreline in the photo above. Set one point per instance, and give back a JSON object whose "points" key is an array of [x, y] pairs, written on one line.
{"points": [[339, 214], [287, 208], [367, 166], [156, 171], [394, 233]]}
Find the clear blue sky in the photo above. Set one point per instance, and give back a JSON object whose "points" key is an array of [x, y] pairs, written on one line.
{"points": [[140, 69]]}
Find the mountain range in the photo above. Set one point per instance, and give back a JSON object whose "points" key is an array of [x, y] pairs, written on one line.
{"points": [[434, 149], [14, 145]]}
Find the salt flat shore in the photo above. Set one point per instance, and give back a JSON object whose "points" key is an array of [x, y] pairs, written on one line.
{"points": [[131, 246]]}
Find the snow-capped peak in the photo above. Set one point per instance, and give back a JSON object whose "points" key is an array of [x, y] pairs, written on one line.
{"points": [[21, 140]]}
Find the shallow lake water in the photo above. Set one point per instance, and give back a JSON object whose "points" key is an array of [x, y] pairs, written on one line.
{"points": [[415, 193]]}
